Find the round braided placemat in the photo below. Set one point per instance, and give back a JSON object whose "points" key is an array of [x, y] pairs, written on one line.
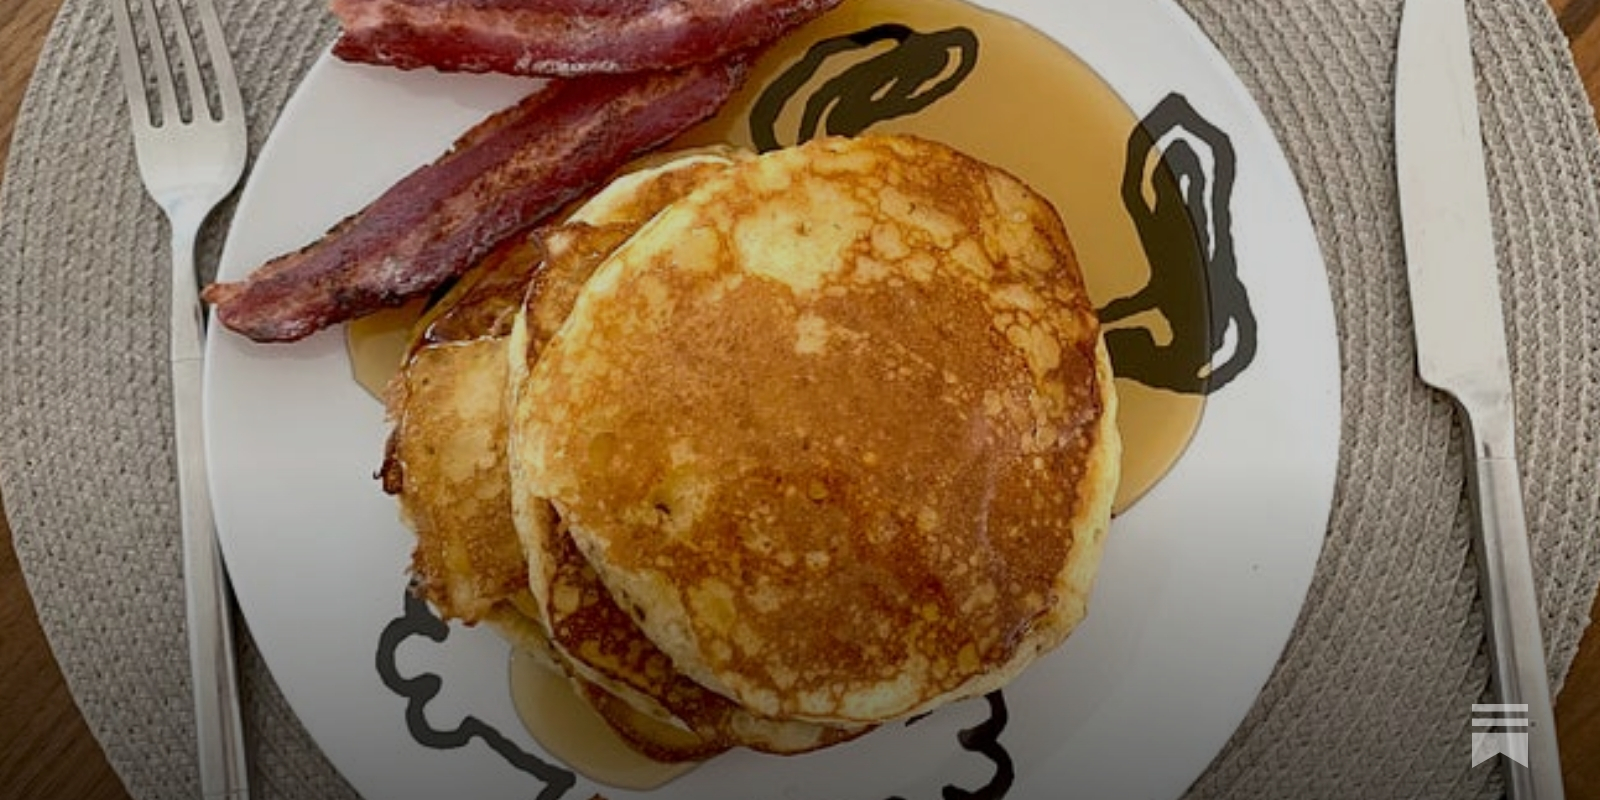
{"points": [[1371, 697]]}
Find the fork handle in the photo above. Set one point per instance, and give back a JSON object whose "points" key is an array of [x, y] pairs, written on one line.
{"points": [[219, 727], [1511, 607]]}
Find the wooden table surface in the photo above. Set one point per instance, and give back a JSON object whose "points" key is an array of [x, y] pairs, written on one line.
{"points": [[47, 752]]}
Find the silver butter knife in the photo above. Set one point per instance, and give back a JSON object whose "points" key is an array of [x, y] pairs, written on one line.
{"points": [[1461, 350]]}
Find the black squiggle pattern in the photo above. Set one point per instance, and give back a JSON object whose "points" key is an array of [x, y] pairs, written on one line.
{"points": [[904, 80], [984, 739], [421, 690], [1187, 232]]}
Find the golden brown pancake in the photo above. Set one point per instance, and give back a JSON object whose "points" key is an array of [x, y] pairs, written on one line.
{"points": [[647, 735], [836, 429], [445, 458], [605, 651], [599, 644]]}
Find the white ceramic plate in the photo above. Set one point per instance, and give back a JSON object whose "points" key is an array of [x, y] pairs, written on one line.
{"points": [[1201, 583]]}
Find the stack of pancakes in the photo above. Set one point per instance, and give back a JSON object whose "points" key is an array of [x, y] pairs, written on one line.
{"points": [[764, 451]]}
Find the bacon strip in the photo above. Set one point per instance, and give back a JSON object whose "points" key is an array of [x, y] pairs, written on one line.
{"points": [[560, 37], [508, 173]]}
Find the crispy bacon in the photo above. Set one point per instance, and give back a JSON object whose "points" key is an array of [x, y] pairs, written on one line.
{"points": [[560, 37], [508, 173]]}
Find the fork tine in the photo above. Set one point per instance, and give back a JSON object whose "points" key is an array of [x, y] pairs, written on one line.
{"points": [[160, 61], [221, 63], [133, 82], [199, 101]]}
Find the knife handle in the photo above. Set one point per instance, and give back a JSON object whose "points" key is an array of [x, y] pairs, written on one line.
{"points": [[1511, 611]]}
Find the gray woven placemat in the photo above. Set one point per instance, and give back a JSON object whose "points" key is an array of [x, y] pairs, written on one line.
{"points": [[1371, 696]]}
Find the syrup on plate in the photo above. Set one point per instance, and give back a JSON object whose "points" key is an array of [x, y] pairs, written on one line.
{"points": [[566, 727]]}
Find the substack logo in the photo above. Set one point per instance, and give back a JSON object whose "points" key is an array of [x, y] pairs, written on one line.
{"points": [[1499, 729]]}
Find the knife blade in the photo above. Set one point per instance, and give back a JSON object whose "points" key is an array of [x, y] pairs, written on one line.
{"points": [[1454, 281]]}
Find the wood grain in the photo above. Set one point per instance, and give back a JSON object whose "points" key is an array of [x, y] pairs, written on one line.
{"points": [[47, 752], [23, 24]]}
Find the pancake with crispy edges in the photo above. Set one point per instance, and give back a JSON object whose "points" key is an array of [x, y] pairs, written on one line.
{"points": [[445, 456], [837, 430], [595, 640], [605, 651]]}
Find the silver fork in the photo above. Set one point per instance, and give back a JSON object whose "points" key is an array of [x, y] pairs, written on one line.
{"points": [[191, 147]]}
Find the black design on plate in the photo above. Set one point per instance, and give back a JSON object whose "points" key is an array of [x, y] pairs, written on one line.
{"points": [[1184, 217], [984, 739], [919, 69], [421, 690]]}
